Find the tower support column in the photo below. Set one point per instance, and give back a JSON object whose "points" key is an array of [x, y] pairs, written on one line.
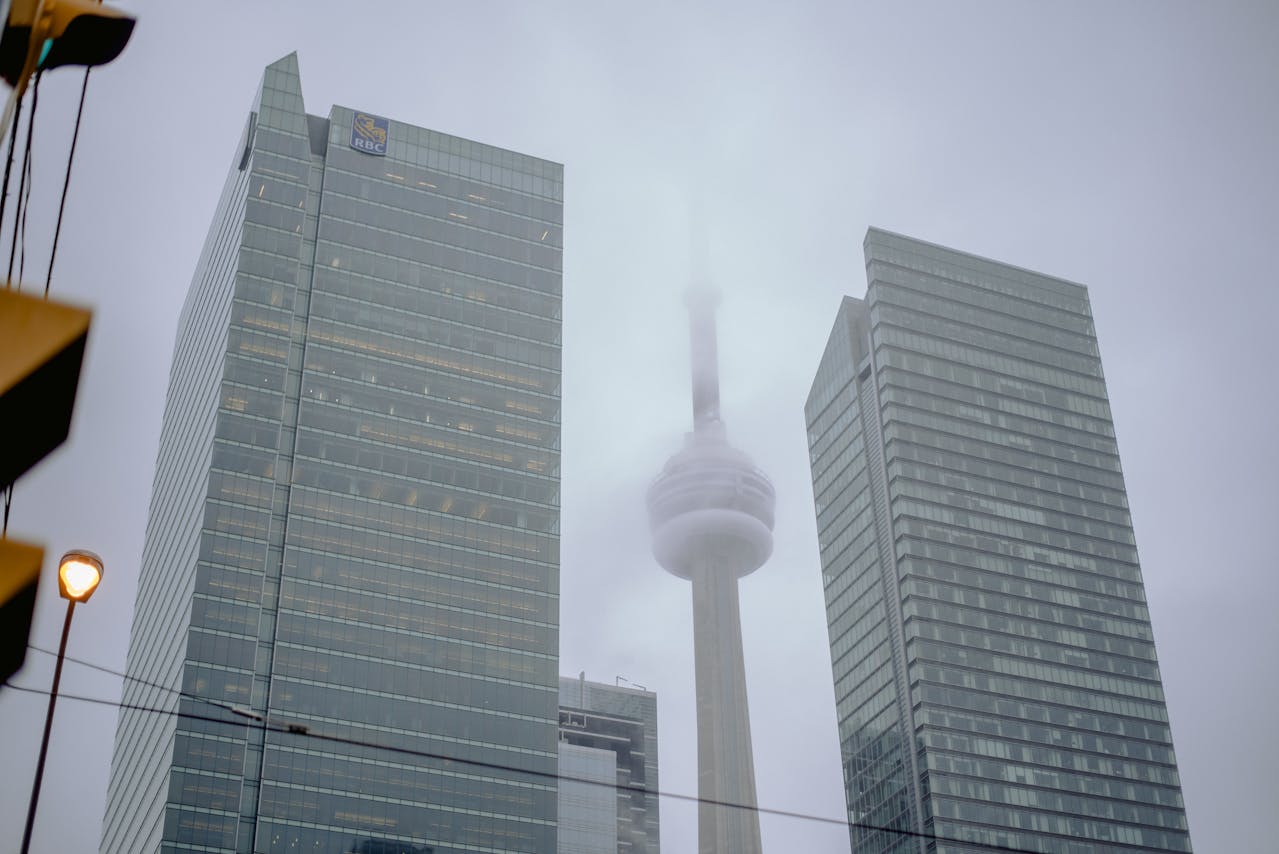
{"points": [[728, 818]]}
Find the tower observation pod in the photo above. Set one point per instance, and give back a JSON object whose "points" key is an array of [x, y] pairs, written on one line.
{"points": [[711, 515]]}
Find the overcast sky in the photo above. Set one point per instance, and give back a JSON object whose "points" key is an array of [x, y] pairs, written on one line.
{"points": [[1130, 147]]}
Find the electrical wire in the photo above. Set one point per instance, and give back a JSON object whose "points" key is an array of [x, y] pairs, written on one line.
{"points": [[304, 731], [131, 678], [8, 169], [66, 182], [23, 171], [19, 218], [27, 179]]}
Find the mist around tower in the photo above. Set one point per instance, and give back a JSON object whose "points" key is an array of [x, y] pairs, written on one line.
{"points": [[711, 517]]}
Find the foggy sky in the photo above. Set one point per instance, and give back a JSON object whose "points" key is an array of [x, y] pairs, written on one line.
{"points": [[1129, 147]]}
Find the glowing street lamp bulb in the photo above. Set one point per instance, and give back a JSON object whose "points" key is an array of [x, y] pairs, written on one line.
{"points": [[78, 575]]}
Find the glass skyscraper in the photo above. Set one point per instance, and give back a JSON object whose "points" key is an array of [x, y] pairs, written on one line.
{"points": [[994, 666], [354, 529], [607, 733]]}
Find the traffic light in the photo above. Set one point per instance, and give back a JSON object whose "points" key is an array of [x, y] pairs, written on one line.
{"points": [[41, 349], [42, 34], [19, 578]]}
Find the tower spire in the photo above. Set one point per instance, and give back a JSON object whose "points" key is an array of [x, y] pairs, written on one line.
{"points": [[702, 299], [704, 351]]}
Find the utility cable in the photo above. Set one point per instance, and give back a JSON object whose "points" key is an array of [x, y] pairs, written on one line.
{"points": [[124, 675], [19, 218], [8, 168], [66, 182], [305, 731], [22, 183], [28, 179]]}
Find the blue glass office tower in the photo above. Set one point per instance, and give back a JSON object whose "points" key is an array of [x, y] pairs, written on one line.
{"points": [[994, 666], [354, 524]]}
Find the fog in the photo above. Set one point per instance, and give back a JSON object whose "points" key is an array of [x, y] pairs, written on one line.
{"points": [[1129, 147]]}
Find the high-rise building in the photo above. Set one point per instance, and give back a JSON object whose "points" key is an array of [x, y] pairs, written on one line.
{"points": [[587, 800], [353, 538], [994, 666], [711, 514], [608, 769]]}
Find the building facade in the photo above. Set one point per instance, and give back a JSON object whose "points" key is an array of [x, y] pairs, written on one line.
{"points": [[348, 604], [995, 671], [607, 733], [587, 800]]}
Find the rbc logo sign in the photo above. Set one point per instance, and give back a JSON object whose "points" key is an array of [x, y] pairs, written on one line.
{"points": [[368, 134]]}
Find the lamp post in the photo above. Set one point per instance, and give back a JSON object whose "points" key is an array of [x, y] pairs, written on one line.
{"points": [[79, 572]]}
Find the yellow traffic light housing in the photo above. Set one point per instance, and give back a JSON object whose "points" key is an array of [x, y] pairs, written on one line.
{"points": [[42, 34], [19, 580], [41, 350]]}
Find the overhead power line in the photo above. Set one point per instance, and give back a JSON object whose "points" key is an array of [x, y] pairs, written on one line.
{"points": [[304, 731], [24, 191], [8, 163], [121, 674], [66, 182]]}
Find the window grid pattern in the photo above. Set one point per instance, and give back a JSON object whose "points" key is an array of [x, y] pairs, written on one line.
{"points": [[874, 740], [374, 553], [1036, 708]]}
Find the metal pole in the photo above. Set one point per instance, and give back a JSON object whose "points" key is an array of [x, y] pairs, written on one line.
{"points": [[48, 724]]}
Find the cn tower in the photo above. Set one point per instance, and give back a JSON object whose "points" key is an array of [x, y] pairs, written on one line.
{"points": [[711, 515]]}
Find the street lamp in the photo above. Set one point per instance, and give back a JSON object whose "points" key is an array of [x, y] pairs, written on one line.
{"points": [[78, 575], [79, 572]]}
